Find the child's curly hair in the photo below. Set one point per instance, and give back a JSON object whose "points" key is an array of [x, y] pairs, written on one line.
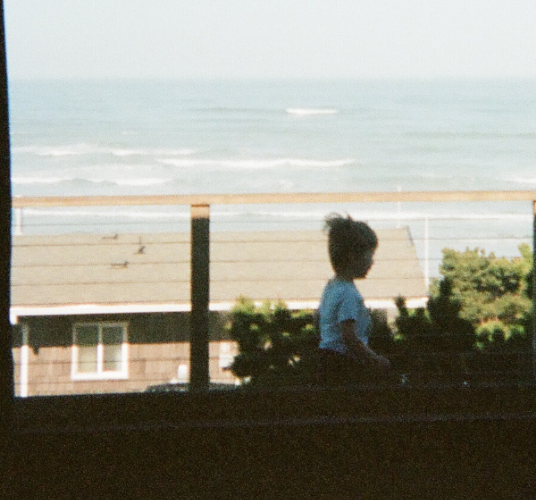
{"points": [[346, 235]]}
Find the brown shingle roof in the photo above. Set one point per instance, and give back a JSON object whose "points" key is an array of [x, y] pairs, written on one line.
{"points": [[154, 269]]}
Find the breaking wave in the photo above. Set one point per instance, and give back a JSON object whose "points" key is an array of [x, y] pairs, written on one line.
{"points": [[256, 164], [311, 111]]}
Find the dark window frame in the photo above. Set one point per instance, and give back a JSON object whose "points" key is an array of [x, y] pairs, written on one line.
{"points": [[201, 408]]}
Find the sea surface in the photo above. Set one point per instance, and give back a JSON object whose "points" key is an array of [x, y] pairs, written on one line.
{"points": [[136, 137]]}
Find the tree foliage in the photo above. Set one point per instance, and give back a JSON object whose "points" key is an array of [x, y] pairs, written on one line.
{"points": [[476, 327], [489, 287], [481, 308], [276, 346], [434, 341]]}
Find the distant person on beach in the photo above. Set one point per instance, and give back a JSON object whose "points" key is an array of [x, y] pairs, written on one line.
{"points": [[345, 323]]}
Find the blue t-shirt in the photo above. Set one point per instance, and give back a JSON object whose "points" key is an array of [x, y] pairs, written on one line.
{"points": [[342, 301]]}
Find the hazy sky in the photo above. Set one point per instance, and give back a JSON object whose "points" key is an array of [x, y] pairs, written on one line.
{"points": [[270, 38]]}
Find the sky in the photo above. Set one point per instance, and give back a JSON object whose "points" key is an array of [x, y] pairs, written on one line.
{"points": [[280, 39]]}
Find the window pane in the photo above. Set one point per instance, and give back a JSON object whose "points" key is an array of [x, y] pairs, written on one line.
{"points": [[112, 335], [87, 359], [112, 358], [112, 338], [87, 338], [87, 335]]}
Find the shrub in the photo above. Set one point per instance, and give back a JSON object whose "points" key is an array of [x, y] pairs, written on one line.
{"points": [[434, 341], [276, 346]]}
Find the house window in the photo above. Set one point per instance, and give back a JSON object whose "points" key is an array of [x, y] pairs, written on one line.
{"points": [[100, 351]]}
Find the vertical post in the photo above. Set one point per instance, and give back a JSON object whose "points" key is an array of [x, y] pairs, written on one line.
{"points": [[24, 361], [399, 210], [534, 289], [200, 285], [427, 253], [6, 359]]}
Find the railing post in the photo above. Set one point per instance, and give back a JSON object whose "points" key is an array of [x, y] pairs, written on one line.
{"points": [[427, 253], [24, 361], [200, 287], [534, 289], [6, 359]]}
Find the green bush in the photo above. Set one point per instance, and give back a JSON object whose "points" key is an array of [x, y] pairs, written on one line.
{"points": [[489, 288], [434, 342], [495, 296], [276, 346], [476, 327]]}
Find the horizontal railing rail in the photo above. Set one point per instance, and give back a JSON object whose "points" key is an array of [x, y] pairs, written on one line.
{"points": [[274, 198]]}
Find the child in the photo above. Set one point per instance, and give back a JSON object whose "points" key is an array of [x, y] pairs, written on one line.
{"points": [[344, 355]]}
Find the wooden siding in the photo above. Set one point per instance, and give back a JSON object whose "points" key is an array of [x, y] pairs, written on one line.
{"points": [[49, 370], [157, 345]]}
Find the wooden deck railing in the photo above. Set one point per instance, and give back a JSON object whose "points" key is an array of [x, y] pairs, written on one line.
{"points": [[200, 238], [275, 198]]}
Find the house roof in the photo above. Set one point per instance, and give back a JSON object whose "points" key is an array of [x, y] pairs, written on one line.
{"points": [[81, 273]]}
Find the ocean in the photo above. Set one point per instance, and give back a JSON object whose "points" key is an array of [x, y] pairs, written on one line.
{"points": [[136, 137]]}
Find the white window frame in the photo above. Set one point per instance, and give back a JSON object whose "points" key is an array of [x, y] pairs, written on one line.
{"points": [[100, 374]]}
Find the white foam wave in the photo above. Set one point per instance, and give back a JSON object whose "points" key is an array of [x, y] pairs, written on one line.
{"points": [[40, 180], [59, 152], [146, 181], [122, 152], [76, 149], [523, 180], [256, 164], [311, 111], [88, 149]]}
